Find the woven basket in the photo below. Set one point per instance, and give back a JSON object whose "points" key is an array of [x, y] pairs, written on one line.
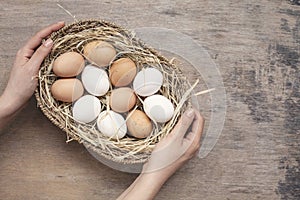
{"points": [[127, 150]]}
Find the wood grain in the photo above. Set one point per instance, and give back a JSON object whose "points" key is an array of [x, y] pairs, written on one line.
{"points": [[256, 45]]}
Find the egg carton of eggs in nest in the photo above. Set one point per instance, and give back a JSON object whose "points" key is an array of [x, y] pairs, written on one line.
{"points": [[111, 91]]}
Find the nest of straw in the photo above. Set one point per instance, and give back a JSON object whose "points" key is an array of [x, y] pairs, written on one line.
{"points": [[128, 149]]}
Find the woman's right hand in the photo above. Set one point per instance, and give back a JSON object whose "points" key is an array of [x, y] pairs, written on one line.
{"points": [[178, 147], [169, 155]]}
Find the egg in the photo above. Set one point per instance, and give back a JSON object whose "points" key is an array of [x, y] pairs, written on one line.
{"points": [[99, 53], [158, 108], [147, 82], [95, 80], [122, 72], [67, 90], [86, 109], [112, 124], [68, 64], [122, 99], [139, 125]]}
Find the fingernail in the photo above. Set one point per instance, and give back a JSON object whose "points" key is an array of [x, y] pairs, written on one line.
{"points": [[190, 113], [48, 42], [61, 22]]}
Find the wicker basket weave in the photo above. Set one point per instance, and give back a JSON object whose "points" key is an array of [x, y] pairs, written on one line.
{"points": [[126, 150]]}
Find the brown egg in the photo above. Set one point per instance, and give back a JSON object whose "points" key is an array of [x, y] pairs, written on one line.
{"points": [[122, 72], [67, 90], [139, 125], [68, 64], [122, 99], [99, 53]]}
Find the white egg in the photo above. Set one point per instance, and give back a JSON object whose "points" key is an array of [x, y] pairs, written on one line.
{"points": [[158, 108], [95, 80], [112, 124], [147, 82], [86, 109]]}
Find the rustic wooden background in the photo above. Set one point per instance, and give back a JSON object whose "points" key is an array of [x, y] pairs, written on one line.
{"points": [[256, 45]]}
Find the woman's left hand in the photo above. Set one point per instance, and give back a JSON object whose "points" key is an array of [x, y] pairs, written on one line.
{"points": [[24, 74]]}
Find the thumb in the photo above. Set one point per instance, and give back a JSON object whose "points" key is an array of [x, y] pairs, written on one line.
{"points": [[184, 123], [40, 54]]}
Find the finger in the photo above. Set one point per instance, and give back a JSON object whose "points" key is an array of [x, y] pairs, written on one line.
{"points": [[192, 144], [23, 56], [184, 123], [197, 128], [39, 55], [193, 137], [36, 40], [25, 53]]}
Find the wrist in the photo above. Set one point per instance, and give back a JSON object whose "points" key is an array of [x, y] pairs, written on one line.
{"points": [[145, 187], [152, 179], [162, 174], [8, 107]]}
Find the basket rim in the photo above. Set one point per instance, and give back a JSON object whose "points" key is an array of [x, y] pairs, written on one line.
{"points": [[47, 111]]}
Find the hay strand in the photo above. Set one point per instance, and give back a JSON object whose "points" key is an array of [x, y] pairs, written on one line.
{"points": [[126, 150]]}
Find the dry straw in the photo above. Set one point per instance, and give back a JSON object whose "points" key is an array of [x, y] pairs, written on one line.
{"points": [[126, 150]]}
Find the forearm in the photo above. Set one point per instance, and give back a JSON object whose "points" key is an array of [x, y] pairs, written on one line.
{"points": [[123, 195], [145, 187], [7, 110]]}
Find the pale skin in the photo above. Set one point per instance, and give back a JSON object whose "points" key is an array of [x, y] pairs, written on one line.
{"points": [[170, 153], [23, 78]]}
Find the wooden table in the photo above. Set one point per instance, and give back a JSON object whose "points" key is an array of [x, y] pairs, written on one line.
{"points": [[256, 45]]}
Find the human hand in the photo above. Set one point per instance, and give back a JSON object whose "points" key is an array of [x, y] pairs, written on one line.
{"points": [[23, 77], [178, 147], [169, 155]]}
